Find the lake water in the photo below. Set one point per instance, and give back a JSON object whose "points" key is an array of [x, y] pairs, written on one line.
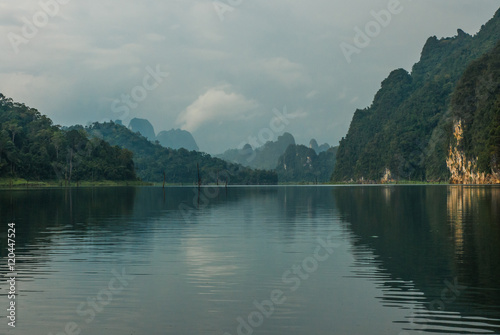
{"points": [[254, 260]]}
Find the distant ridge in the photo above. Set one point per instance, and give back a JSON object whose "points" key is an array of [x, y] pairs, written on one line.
{"points": [[265, 157], [154, 162], [144, 127], [176, 139]]}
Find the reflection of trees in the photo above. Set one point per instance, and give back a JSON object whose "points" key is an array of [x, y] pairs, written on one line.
{"points": [[428, 234], [297, 206], [397, 217], [39, 214], [411, 234], [106, 213], [474, 218], [42, 214]]}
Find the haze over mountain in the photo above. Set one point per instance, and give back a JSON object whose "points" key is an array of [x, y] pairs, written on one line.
{"points": [[144, 127], [292, 162], [265, 157], [313, 144], [174, 138], [230, 85], [218, 79], [154, 162]]}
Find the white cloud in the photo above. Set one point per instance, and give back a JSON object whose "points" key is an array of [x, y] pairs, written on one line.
{"points": [[271, 53], [215, 104]]}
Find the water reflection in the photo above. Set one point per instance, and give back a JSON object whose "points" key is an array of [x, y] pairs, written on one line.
{"points": [[440, 241], [409, 258]]}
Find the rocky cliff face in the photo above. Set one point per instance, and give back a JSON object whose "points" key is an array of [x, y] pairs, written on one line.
{"points": [[474, 152], [465, 170], [462, 169], [301, 164], [408, 128], [144, 127], [176, 139]]}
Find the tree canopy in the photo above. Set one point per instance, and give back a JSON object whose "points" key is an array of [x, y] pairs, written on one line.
{"points": [[31, 147]]}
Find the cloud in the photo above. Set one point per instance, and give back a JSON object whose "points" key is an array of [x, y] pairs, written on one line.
{"points": [[215, 104], [311, 94], [284, 71], [270, 54]]}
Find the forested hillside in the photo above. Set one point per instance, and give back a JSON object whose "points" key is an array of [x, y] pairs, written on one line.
{"points": [[31, 147], [406, 132], [180, 166], [302, 164], [474, 154]]}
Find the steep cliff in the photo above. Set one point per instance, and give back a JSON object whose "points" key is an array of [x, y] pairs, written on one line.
{"points": [[407, 129], [144, 127], [176, 139], [474, 150], [302, 164]]}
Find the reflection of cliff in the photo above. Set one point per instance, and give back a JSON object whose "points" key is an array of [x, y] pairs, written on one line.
{"points": [[476, 242], [455, 208], [398, 216], [428, 234]]}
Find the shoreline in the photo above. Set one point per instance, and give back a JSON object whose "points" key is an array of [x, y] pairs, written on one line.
{"points": [[18, 184]]}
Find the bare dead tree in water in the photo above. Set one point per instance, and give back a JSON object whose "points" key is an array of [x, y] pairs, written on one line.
{"points": [[199, 178]]}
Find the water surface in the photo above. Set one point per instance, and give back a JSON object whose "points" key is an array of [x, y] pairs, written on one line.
{"points": [[337, 260]]}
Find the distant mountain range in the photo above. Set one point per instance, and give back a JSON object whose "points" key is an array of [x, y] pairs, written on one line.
{"points": [[174, 138], [265, 157], [292, 162], [153, 162], [143, 127], [32, 148], [441, 121], [318, 148]]}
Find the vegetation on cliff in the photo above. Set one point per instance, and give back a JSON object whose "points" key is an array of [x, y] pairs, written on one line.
{"points": [[407, 130], [302, 164], [474, 152]]}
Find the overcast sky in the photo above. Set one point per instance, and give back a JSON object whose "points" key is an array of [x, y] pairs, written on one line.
{"points": [[217, 69]]}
